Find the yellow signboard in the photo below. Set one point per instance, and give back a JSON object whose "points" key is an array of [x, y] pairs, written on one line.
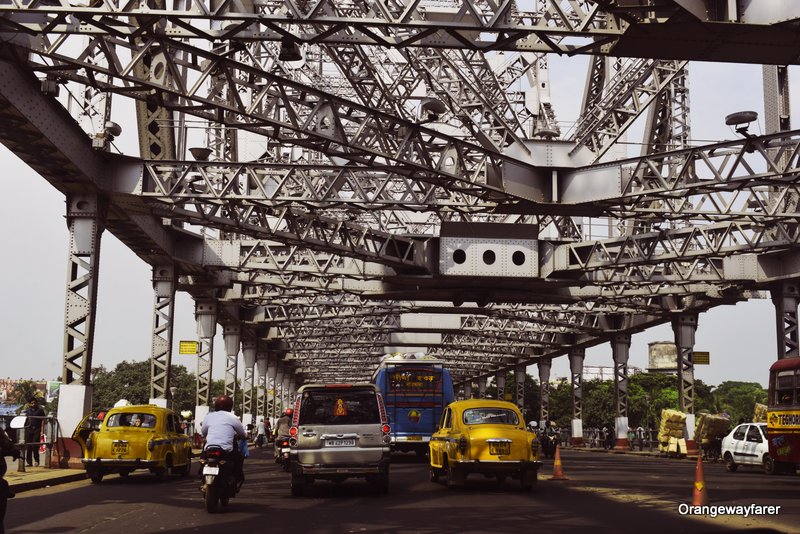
{"points": [[701, 357], [784, 420], [188, 347]]}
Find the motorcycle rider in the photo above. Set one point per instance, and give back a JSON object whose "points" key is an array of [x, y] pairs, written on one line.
{"points": [[222, 428], [282, 429]]}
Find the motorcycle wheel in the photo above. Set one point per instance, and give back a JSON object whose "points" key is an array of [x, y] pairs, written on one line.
{"points": [[211, 499]]}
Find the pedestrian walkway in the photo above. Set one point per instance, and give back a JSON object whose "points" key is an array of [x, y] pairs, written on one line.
{"points": [[39, 477]]}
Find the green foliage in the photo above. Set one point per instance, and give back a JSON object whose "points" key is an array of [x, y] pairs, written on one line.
{"points": [[739, 399]]}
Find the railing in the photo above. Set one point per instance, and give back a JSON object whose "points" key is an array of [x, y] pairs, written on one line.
{"points": [[49, 427]]}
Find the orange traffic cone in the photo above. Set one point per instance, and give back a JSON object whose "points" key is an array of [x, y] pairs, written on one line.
{"points": [[558, 474], [700, 497]]}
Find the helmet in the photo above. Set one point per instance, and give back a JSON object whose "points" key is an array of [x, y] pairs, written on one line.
{"points": [[288, 412], [223, 403]]}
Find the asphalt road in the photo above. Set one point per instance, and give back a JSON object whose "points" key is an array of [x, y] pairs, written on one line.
{"points": [[604, 493]]}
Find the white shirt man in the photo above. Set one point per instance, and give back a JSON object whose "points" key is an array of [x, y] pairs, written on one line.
{"points": [[221, 428]]}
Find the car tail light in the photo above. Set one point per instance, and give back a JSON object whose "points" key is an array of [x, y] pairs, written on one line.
{"points": [[386, 429], [293, 431], [463, 445], [89, 442], [535, 448]]}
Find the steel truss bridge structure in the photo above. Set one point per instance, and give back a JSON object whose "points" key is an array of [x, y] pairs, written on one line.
{"points": [[333, 180]]}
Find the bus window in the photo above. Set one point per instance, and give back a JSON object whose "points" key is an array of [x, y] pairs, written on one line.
{"points": [[784, 388]]}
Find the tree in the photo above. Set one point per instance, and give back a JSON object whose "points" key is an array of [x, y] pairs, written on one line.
{"points": [[739, 399]]}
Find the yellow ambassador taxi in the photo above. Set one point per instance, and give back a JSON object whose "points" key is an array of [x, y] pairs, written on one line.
{"points": [[134, 437], [487, 437]]}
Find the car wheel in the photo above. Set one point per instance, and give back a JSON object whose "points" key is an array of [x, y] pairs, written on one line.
{"points": [[769, 465], [184, 470], [160, 473], [527, 480], [730, 465], [95, 475], [455, 477], [211, 499], [433, 474], [298, 484]]}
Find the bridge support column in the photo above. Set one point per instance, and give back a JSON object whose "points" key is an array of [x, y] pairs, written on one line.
{"points": [[519, 383], [279, 400], [684, 326], [286, 393], [249, 347], [86, 221], [272, 387], [468, 389], [544, 390], [231, 336], [620, 348], [786, 298], [576, 357], [481, 387], [500, 384], [161, 348], [262, 360], [205, 313]]}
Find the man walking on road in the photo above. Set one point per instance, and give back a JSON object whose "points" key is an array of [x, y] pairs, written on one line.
{"points": [[33, 431]]}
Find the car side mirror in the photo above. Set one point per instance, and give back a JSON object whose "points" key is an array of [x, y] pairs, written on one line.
{"points": [[18, 422]]}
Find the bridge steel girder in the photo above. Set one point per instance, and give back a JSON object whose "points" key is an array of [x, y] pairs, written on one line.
{"points": [[661, 32], [206, 317], [544, 365], [684, 326], [786, 297], [164, 282]]}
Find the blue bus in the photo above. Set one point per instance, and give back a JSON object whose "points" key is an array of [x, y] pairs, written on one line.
{"points": [[415, 391]]}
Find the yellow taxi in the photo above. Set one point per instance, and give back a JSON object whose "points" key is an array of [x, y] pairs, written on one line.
{"points": [[134, 437], [487, 437]]}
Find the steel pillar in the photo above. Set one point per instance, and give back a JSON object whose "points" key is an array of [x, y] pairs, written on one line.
{"points": [[468, 389], [262, 361], [86, 221], [205, 313], [620, 349], [161, 348], [576, 357], [481, 387], [249, 348], [786, 298], [544, 390], [500, 383], [231, 335], [684, 326], [272, 386], [519, 383]]}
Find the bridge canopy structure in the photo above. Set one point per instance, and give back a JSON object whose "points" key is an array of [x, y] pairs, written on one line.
{"points": [[332, 181]]}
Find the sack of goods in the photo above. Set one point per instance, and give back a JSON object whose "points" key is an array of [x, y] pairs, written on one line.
{"points": [[760, 413], [671, 426], [711, 427]]}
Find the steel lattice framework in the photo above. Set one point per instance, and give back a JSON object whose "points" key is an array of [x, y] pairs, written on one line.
{"points": [[341, 150]]}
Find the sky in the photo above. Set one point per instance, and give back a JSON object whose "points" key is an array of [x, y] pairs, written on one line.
{"points": [[34, 239]]}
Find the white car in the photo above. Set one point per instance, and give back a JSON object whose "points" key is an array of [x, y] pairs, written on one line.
{"points": [[747, 445]]}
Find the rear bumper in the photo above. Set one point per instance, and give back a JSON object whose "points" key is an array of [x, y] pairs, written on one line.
{"points": [[334, 470], [116, 463], [496, 467]]}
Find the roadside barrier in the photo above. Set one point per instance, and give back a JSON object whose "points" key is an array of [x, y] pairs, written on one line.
{"points": [[700, 497], [558, 473]]}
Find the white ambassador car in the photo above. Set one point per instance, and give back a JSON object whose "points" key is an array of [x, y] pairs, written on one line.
{"points": [[747, 445]]}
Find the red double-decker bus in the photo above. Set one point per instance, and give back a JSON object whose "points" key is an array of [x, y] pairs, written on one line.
{"points": [[783, 416]]}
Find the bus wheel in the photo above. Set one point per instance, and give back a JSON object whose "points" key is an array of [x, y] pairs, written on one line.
{"points": [[769, 465], [730, 465]]}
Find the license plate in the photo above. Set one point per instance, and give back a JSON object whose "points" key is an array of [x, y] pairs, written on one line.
{"points": [[414, 438], [119, 448], [210, 470], [340, 443], [500, 449]]}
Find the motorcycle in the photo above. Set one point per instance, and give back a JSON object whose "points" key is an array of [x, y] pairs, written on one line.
{"points": [[282, 453], [261, 441], [219, 477]]}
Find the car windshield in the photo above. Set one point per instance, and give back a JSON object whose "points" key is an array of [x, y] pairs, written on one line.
{"points": [[490, 416], [135, 420], [337, 406]]}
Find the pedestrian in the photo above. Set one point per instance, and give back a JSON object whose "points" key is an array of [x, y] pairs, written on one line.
{"points": [[34, 421], [7, 448], [261, 434], [610, 437], [604, 437], [640, 437]]}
